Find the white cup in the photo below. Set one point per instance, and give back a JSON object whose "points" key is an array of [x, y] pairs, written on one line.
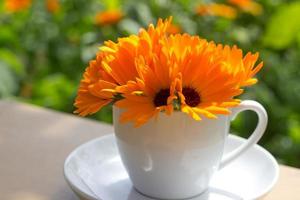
{"points": [[174, 157]]}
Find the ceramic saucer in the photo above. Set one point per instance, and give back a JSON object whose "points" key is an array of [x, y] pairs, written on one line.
{"points": [[94, 171]]}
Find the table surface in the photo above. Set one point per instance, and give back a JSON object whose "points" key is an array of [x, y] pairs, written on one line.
{"points": [[34, 143]]}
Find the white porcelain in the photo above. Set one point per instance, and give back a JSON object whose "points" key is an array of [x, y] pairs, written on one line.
{"points": [[97, 166], [174, 157]]}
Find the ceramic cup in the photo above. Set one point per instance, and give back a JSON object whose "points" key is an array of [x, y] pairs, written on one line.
{"points": [[174, 157]]}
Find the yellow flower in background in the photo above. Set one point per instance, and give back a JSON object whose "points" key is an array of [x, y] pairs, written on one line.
{"points": [[17, 5], [248, 6], [156, 71], [109, 17], [52, 5], [215, 9]]}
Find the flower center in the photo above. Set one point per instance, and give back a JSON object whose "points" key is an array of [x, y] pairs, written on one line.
{"points": [[161, 98], [192, 97]]}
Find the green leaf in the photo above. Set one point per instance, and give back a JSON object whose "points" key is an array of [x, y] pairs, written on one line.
{"points": [[8, 36], [283, 27], [294, 128], [12, 61], [54, 91], [111, 4], [298, 39]]}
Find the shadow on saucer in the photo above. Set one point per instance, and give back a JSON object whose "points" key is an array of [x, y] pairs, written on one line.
{"points": [[210, 194]]}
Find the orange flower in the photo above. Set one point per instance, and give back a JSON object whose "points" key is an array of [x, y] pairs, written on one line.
{"points": [[108, 17], [173, 29], [203, 78], [153, 71], [17, 5], [116, 65], [121, 57], [90, 97], [215, 9], [242, 69], [209, 76], [152, 91], [144, 80], [248, 6], [52, 5]]}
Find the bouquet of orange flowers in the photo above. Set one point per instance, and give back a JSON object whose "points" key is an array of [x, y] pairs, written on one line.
{"points": [[155, 71]]}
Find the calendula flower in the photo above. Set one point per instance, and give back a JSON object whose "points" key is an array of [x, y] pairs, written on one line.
{"points": [[155, 72], [121, 57], [90, 97], [248, 6], [116, 65], [173, 29], [210, 75], [108, 17], [17, 5], [241, 68], [149, 94], [52, 5], [203, 91], [149, 91], [215, 9]]}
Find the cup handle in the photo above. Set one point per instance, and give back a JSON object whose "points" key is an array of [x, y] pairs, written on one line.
{"points": [[255, 136]]}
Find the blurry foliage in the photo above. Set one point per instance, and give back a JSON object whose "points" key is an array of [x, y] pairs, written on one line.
{"points": [[279, 33], [43, 55]]}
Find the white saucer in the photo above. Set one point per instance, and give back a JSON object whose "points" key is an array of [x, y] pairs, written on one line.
{"points": [[97, 165]]}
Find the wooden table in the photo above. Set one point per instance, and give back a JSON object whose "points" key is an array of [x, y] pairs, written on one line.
{"points": [[35, 141]]}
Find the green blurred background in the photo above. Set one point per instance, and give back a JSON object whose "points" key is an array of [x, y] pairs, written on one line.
{"points": [[44, 51]]}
